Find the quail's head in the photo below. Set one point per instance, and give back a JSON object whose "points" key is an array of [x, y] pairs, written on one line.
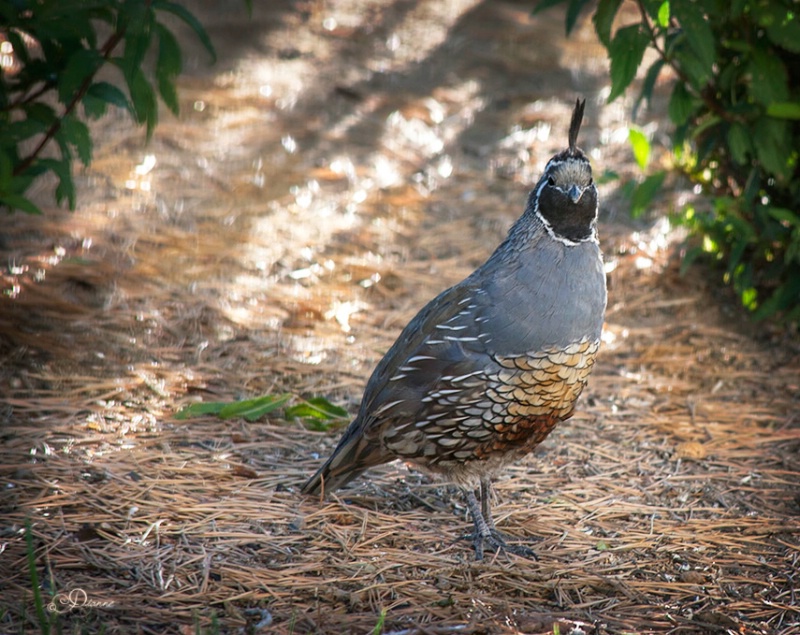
{"points": [[566, 197]]}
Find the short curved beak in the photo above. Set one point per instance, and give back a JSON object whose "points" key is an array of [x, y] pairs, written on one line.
{"points": [[575, 193]]}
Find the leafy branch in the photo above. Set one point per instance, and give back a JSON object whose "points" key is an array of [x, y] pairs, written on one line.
{"points": [[56, 50], [665, 21], [735, 110], [113, 41]]}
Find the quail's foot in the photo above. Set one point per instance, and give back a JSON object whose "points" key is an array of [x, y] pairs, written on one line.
{"points": [[485, 533], [497, 542]]}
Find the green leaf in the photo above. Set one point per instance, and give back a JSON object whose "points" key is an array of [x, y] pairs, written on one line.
{"points": [[640, 146], [169, 94], [628, 188], [752, 186], [66, 151], [318, 413], [735, 256], [784, 297], [750, 298], [573, 12], [739, 143], [626, 53], [170, 60], [690, 257], [253, 409], [316, 408], [784, 110], [785, 216], [143, 99], [728, 80], [663, 15], [645, 192], [138, 19], [250, 409], [650, 7], [706, 124], [133, 56], [105, 93], [737, 7], [23, 129], [76, 133], [543, 5], [773, 145], [693, 67], [378, 629], [728, 214], [168, 66], [191, 21], [697, 29], [648, 85], [769, 81], [604, 19], [793, 250], [681, 104], [781, 23], [200, 409], [65, 190], [37, 111], [82, 65], [740, 46], [607, 176], [17, 201], [93, 108]]}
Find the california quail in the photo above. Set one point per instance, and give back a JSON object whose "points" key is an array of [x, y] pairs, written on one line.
{"points": [[485, 371]]}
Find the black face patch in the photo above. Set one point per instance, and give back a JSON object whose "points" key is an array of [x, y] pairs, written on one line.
{"points": [[573, 221]]}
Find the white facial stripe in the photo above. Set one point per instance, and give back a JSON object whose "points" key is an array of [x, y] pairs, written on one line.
{"points": [[565, 192], [592, 237]]}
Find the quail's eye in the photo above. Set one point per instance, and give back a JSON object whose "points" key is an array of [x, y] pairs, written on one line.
{"points": [[551, 180]]}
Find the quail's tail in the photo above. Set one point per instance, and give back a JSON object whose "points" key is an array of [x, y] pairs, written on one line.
{"points": [[351, 457], [324, 481]]}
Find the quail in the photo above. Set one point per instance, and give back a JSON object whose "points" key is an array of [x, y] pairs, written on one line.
{"points": [[486, 370]]}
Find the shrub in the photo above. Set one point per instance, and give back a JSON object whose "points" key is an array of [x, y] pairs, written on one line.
{"points": [[735, 107], [52, 51]]}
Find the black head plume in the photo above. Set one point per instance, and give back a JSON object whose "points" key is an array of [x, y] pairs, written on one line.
{"points": [[575, 124], [565, 198]]}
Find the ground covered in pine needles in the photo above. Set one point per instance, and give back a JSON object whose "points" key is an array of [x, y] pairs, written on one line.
{"points": [[342, 164]]}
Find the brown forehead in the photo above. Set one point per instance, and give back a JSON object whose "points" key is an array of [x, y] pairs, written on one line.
{"points": [[571, 171]]}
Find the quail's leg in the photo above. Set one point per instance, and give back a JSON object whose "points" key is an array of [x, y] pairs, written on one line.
{"points": [[486, 502], [486, 534]]}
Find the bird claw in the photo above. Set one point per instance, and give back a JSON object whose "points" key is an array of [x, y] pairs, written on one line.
{"points": [[498, 542]]}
